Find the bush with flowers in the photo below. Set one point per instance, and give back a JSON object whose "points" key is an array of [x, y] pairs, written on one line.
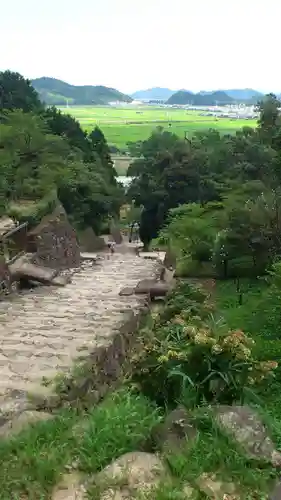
{"points": [[197, 353]]}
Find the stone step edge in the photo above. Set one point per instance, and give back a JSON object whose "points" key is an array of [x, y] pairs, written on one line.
{"points": [[102, 368], [102, 371]]}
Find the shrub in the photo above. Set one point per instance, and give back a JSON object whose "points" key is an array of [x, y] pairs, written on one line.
{"points": [[192, 351], [182, 297], [33, 212]]}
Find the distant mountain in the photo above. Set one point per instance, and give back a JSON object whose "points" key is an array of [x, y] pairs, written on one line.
{"points": [[200, 99], [244, 94], [57, 92], [156, 93], [181, 97]]}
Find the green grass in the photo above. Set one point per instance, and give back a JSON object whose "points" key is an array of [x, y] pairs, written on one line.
{"points": [[124, 124], [259, 315], [32, 462]]}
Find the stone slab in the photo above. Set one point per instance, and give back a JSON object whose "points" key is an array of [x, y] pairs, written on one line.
{"points": [[160, 256]]}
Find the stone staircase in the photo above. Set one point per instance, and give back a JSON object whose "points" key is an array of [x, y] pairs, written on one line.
{"points": [[44, 330]]}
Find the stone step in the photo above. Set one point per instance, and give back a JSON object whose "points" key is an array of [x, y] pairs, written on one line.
{"points": [[44, 330]]}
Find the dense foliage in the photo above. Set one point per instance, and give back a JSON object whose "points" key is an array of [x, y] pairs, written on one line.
{"points": [[213, 199], [43, 151], [190, 354]]}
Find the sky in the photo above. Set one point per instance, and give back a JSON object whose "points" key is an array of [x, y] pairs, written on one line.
{"points": [[138, 44]]}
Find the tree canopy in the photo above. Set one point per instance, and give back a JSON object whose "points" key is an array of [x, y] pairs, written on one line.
{"points": [[43, 150], [214, 197], [16, 92]]}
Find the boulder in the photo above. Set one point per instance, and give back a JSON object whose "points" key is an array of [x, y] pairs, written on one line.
{"points": [[170, 260], [216, 489], [188, 492], [116, 235], [129, 476], [167, 275], [153, 288], [175, 432], [21, 421], [22, 268], [245, 426], [70, 488], [276, 494]]}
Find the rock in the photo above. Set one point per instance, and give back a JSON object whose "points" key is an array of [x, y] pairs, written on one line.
{"points": [[246, 427], [116, 235], [70, 488], [175, 432], [170, 260], [90, 256], [13, 402], [216, 489], [19, 422], [127, 291], [188, 492], [130, 475], [167, 275], [22, 268], [276, 494], [90, 242], [152, 287], [61, 280], [160, 256]]}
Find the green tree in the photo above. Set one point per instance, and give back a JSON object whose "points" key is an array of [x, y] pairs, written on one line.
{"points": [[168, 172], [66, 126], [16, 92], [99, 145], [251, 239], [31, 159], [269, 120], [34, 162]]}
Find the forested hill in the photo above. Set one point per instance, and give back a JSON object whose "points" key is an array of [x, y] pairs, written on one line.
{"points": [[200, 99], [56, 92]]}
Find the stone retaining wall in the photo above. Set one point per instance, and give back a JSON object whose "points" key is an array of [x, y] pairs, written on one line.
{"points": [[54, 242]]}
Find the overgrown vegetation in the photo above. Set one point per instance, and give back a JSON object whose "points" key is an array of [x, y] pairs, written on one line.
{"points": [[43, 151], [191, 355], [31, 463], [216, 198], [215, 203]]}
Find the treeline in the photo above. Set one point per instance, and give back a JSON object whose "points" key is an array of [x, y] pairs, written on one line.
{"points": [[214, 200], [44, 151]]}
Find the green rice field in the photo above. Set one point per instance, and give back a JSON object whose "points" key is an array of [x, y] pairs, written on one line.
{"points": [[121, 125]]}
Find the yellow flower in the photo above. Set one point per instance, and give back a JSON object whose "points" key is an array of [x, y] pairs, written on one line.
{"points": [[267, 366], [203, 339], [242, 353], [172, 354], [163, 359], [190, 330], [216, 349]]}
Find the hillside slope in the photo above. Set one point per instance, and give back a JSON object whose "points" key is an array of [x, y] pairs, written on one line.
{"points": [[200, 99], [57, 92]]}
